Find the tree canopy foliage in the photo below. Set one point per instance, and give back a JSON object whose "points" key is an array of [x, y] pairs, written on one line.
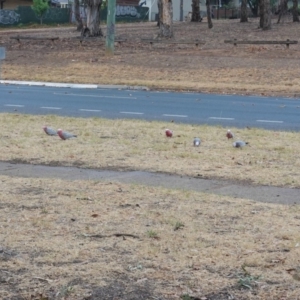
{"points": [[40, 8]]}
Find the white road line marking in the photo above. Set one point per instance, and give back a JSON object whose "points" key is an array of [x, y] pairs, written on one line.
{"points": [[269, 121], [178, 116], [94, 96], [257, 97], [92, 110], [219, 118], [131, 112], [50, 84], [48, 107], [14, 105]]}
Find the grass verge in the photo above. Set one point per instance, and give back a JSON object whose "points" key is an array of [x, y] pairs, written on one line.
{"points": [[271, 157]]}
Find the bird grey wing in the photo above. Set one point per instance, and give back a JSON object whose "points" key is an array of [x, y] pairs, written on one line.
{"points": [[50, 131], [197, 142], [69, 135], [239, 144]]}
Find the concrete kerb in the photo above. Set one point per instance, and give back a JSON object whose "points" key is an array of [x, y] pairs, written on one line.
{"points": [[73, 85]]}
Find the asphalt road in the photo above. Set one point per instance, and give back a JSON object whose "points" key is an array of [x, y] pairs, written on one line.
{"points": [[193, 108]]}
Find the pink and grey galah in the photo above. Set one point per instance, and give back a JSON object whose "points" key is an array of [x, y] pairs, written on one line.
{"points": [[64, 135], [169, 133], [50, 131], [229, 134]]}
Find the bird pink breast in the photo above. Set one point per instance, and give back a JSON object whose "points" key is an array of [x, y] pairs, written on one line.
{"points": [[229, 135], [168, 133], [60, 133]]}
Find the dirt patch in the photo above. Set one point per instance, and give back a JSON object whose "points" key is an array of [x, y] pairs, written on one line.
{"points": [[213, 67]]}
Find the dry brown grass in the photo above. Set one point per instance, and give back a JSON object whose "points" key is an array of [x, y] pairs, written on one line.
{"points": [[271, 158], [214, 67], [58, 240], [58, 237]]}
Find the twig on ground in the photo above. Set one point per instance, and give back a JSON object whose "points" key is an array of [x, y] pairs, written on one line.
{"points": [[110, 235]]}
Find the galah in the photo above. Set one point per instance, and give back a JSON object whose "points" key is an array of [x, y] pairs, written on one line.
{"points": [[229, 134], [197, 142], [49, 130], [64, 135], [239, 144], [169, 133]]}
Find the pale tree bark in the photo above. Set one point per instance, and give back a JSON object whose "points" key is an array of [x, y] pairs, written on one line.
{"points": [[265, 14], [166, 21], [196, 11], [283, 8], [244, 14], [208, 11], [295, 11], [77, 15], [93, 17]]}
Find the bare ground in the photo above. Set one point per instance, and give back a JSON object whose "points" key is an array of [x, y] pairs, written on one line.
{"points": [[213, 67]]}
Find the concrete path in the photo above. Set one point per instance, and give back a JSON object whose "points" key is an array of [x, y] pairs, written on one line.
{"points": [[235, 189]]}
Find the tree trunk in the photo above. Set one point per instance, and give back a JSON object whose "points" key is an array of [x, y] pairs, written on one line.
{"points": [[209, 21], [77, 15], [166, 21], [295, 11], [181, 10], [283, 8], [93, 17], [265, 14], [244, 15], [159, 5], [254, 7], [196, 11]]}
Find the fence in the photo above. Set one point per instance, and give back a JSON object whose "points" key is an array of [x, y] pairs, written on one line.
{"points": [[55, 15], [124, 13], [25, 15], [228, 13]]}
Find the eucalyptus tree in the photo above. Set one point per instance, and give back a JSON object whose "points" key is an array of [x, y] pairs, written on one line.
{"points": [[283, 8], [196, 11], [77, 15], [208, 10], [165, 18], [253, 4], [265, 14], [93, 8], [295, 11], [244, 14]]}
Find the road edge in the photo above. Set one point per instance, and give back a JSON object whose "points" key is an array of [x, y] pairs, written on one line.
{"points": [[74, 85]]}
